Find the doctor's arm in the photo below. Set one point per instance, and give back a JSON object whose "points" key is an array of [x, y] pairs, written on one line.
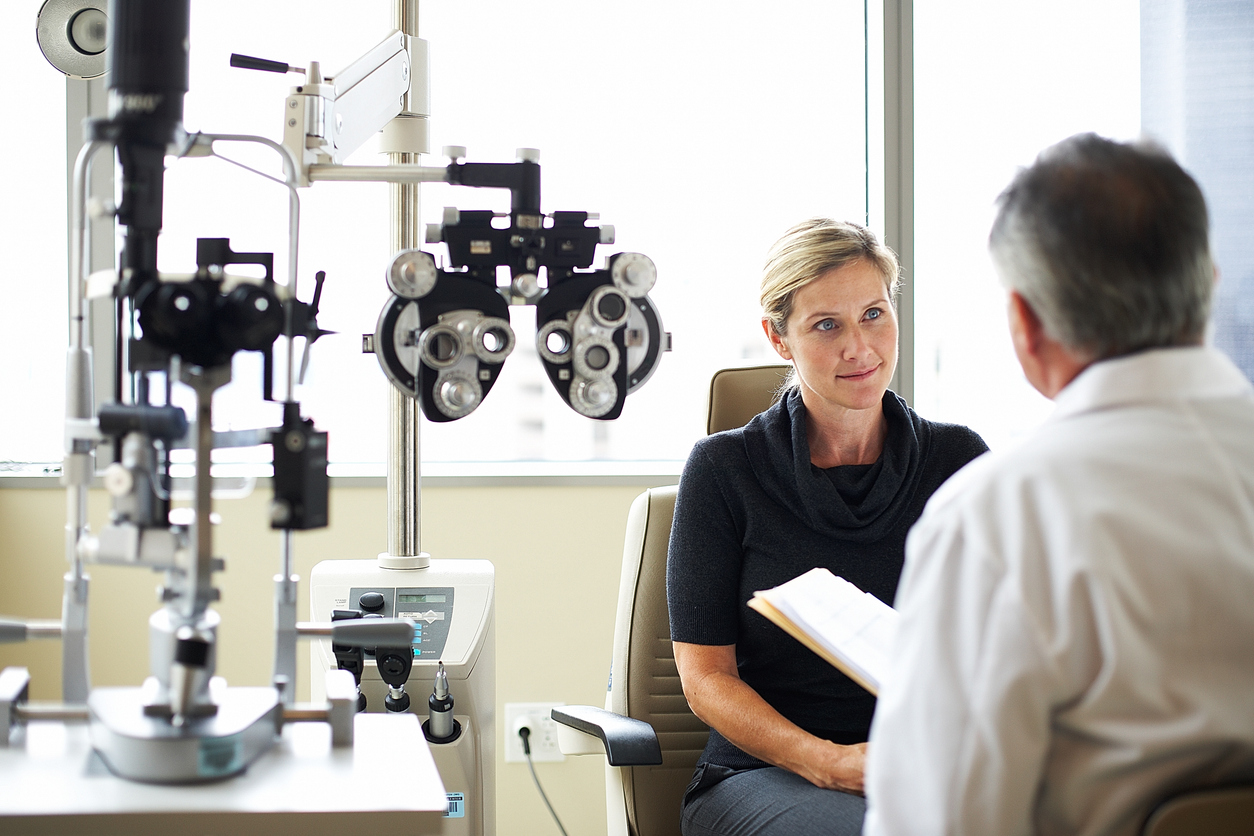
{"points": [[723, 701], [962, 727]]}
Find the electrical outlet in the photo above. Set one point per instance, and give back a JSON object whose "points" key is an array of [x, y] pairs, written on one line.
{"points": [[535, 716]]}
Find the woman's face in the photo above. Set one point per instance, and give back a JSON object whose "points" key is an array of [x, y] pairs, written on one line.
{"points": [[842, 339]]}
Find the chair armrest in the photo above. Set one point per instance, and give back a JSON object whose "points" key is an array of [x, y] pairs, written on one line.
{"points": [[627, 742]]}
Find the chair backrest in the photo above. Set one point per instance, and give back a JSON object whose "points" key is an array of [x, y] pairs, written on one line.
{"points": [[736, 395], [1227, 811], [645, 682]]}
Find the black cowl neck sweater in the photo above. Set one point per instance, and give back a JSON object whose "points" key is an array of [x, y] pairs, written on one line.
{"points": [[752, 512]]}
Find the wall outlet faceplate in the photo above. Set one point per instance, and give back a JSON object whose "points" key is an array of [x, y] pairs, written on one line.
{"points": [[535, 716]]}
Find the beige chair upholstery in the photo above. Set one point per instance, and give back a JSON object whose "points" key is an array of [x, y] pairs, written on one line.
{"points": [[1219, 812], [645, 684], [644, 800], [736, 395]]}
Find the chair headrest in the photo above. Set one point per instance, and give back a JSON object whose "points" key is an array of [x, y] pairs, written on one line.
{"points": [[736, 395]]}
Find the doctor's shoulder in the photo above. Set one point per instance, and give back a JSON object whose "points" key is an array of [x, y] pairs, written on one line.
{"points": [[996, 479]]}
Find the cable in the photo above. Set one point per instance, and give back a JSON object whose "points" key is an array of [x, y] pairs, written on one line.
{"points": [[525, 734]]}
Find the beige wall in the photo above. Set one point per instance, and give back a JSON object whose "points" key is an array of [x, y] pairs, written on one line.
{"points": [[556, 549]]}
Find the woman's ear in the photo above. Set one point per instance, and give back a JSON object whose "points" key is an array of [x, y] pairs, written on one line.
{"points": [[777, 342]]}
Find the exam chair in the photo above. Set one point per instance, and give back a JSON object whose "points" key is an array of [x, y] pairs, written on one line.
{"points": [[648, 733], [1226, 811]]}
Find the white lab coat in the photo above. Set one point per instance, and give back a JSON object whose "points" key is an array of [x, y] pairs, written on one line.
{"points": [[1077, 635]]}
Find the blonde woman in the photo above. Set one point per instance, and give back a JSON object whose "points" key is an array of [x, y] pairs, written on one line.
{"points": [[833, 475]]}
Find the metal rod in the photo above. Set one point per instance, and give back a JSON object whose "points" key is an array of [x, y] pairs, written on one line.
{"points": [[404, 442], [286, 583], [405, 17], [405, 21], [404, 476], [404, 459], [397, 173], [362, 632], [305, 714], [286, 586], [77, 468], [78, 241], [287, 554], [43, 629], [200, 592], [31, 712], [203, 574], [293, 236]]}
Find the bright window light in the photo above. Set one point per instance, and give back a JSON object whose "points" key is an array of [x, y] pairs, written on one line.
{"points": [[995, 83], [33, 230], [700, 133]]}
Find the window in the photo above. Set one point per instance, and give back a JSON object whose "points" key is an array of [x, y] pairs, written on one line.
{"points": [[1197, 88], [33, 221], [995, 83], [701, 133]]}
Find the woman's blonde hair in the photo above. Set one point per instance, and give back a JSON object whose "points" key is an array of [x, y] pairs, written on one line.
{"points": [[811, 249]]}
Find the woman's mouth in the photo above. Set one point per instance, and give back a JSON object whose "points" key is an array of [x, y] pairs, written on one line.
{"points": [[856, 377]]}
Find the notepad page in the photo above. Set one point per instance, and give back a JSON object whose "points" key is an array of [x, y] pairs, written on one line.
{"points": [[852, 624]]}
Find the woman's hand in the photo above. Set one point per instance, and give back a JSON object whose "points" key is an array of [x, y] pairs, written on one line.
{"points": [[722, 700], [834, 767]]}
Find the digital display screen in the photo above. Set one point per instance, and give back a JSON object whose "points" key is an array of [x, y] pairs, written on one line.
{"points": [[420, 599]]}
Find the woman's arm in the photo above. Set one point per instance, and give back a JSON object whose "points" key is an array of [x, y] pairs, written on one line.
{"points": [[724, 702]]}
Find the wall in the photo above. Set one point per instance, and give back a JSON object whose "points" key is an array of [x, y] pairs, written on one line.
{"points": [[557, 552]]}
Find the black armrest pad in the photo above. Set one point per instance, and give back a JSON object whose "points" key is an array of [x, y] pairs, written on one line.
{"points": [[627, 742]]}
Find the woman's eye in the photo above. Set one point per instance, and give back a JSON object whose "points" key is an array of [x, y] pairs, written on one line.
{"points": [[874, 313], [825, 325]]}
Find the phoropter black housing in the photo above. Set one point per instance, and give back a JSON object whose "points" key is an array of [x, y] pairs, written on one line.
{"points": [[444, 335]]}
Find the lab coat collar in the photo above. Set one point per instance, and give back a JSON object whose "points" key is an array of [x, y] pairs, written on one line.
{"points": [[1154, 376]]}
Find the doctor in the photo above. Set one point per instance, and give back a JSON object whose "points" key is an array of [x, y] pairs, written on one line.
{"points": [[1077, 623]]}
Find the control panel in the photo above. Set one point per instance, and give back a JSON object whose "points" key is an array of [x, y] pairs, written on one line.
{"points": [[451, 605], [429, 607]]}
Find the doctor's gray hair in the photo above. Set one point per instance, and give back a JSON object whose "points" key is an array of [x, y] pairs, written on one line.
{"points": [[813, 248], [1109, 243]]}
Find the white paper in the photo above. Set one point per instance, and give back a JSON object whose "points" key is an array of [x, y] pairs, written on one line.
{"points": [[852, 625]]}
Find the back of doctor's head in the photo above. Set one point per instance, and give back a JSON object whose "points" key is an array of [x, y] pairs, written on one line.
{"points": [[1109, 243]]}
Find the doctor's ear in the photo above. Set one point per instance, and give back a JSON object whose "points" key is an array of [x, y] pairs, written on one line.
{"points": [[1026, 328], [777, 341]]}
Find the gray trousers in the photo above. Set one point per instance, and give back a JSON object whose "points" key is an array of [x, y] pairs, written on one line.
{"points": [[768, 802]]}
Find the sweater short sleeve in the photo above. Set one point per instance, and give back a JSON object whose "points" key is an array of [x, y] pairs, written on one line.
{"points": [[703, 565]]}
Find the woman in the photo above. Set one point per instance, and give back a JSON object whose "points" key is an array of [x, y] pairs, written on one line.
{"points": [[833, 475]]}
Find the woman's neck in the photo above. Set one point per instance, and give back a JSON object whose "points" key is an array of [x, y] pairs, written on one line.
{"points": [[839, 436]]}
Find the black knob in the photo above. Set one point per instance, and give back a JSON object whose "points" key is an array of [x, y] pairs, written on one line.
{"points": [[371, 601], [250, 318], [391, 665], [247, 62], [396, 704], [612, 307], [178, 314]]}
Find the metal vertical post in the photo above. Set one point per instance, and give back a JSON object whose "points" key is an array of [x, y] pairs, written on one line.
{"points": [[404, 477], [79, 463], [899, 173]]}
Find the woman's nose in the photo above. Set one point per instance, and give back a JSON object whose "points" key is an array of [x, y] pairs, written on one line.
{"points": [[855, 345]]}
